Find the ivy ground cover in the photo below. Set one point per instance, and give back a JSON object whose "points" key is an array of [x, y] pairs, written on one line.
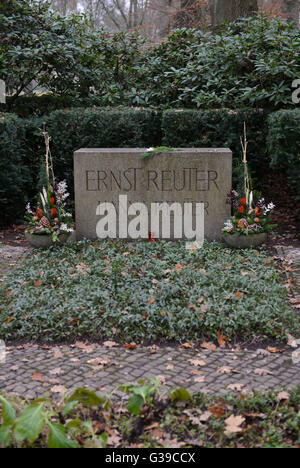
{"points": [[145, 292]]}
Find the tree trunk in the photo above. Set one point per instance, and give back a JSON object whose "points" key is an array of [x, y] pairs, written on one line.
{"points": [[229, 10]]}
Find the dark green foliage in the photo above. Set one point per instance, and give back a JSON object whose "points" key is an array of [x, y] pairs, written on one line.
{"points": [[219, 128], [18, 165], [34, 105], [249, 63], [22, 147], [69, 305], [72, 129], [284, 145]]}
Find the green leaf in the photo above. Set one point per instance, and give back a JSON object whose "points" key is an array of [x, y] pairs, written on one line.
{"points": [[135, 403], [69, 406], [57, 437], [180, 394], [5, 434], [8, 413], [30, 423], [86, 397]]}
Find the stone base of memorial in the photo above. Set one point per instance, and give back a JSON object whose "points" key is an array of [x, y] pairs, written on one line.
{"points": [[245, 242], [44, 241]]}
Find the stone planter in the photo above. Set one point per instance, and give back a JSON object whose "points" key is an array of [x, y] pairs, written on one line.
{"points": [[245, 242], [45, 241]]}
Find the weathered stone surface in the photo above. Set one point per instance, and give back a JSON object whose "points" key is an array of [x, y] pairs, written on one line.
{"points": [[182, 176]]}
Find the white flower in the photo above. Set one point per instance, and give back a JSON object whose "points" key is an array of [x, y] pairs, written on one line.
{"points": [[149, 150], [28, 209], [64, 227], [228, 226]]}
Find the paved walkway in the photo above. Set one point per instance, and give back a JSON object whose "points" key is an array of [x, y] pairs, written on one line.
{"points": [[33, 370]]}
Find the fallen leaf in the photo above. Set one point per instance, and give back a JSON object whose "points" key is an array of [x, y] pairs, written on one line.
{"points": [[130, 346], [59, 389], [151, 300], [186, 345], [224, 370], [238, 294], [110, 344], [233, 424], [236, 387], [208, 346], [273, 350], [37, 377], [197, 362], [218, 411], [199, 379], [195, 372], [56, 371], [283, 396], [38, 283], [221, 340], [262, 372], [57, 354]]}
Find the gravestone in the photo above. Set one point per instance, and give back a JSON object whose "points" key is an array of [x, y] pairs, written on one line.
{"points": [[182, 176]]}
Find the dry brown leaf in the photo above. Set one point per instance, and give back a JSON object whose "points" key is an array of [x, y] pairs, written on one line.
{"points": [[195, 372], [224, 370], [59, 389], [283, 396], [186, 345], [208, 346], [218, 411], [221, 340], [110, 344], [236, 387], [197, 362], [151, 300], [262, 372], [56, 371], [199, 379], [57, 354], [233, 424], [238, 294], [38, 283], [37, 377], [130, 346], [273, 350]]}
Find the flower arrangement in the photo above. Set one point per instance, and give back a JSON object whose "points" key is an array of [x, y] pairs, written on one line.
{"points": [[50, 217], [250, 216]]}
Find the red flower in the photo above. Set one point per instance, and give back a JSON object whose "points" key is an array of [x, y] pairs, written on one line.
{"points": [[257, 211], [52, 201], [241, 209], [53, 212], [243, 201], [39, 212], [150, 239]]}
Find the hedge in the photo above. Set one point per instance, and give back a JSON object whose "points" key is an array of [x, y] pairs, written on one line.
{"points": [[215, 128], [273, 139], [22, 148], [283, 143], [18, 166]]}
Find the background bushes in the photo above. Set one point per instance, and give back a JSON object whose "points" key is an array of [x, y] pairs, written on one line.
{"points": [[284, 145]]}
